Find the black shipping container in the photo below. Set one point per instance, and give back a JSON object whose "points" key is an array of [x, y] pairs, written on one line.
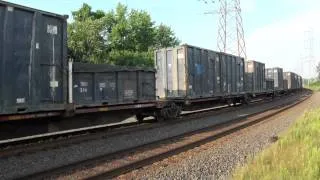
{"points": [[101, 84], [255, 77], [33, 55], [292, 79], [190, 72], [277, 75]]}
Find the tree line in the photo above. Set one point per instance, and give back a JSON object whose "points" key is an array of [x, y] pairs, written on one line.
{"points": [[121, 37]]}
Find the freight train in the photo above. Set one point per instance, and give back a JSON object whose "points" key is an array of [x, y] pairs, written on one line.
{"points": [[38, 80]]}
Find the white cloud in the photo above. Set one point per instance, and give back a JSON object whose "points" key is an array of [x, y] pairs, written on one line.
{"points": [[283, 42]]}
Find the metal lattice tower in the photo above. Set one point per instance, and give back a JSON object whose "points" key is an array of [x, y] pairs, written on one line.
{"points": [[230, 27], [242, 51], [309, 52]]}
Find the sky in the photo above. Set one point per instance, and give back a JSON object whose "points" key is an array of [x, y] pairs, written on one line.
{"points": [[276, 31]]}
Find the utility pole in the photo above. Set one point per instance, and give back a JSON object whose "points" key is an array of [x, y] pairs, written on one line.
{"points": [[230, 27]]}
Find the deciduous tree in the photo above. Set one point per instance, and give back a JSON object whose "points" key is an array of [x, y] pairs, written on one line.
{"points": [[165, 37], [120, 36]]}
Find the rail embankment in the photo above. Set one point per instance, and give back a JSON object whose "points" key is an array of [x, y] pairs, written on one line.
{"points": [[296, 155]]}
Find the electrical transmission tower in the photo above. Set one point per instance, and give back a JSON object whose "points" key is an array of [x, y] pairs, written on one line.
{"points": [[309, 51], [230, 27]]}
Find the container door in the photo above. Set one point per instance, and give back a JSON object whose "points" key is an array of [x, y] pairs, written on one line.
{"points": [[191, 72], [161, 75], [182, 86], [16, 60], [50, 42], [169, 86]]}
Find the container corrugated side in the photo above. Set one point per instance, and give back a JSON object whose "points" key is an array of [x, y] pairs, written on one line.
{"points": [[232, 74], [187, 72], [96, 84], [200, 72], [223, 74], [33, 55]]}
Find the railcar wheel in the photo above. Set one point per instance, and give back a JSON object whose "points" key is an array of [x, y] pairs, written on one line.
{"points": [[235, 101], [246, 99], [139, 118], [172, 111], [229, 102], [159, 116]]}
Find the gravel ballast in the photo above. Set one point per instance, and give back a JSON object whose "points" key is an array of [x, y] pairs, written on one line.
{"points": [[217, 160], [25, 164]]}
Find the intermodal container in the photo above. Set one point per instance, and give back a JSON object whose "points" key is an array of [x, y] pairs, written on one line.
{"points": [[292, 79], [190, 72], [101, 84], [277, 75], [33, 55], [255, 77]]}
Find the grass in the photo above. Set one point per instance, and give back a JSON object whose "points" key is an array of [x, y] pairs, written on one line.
{"points": [[315, 86], [295, 156]]}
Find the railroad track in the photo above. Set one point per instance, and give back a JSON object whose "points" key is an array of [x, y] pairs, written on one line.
{"points": [[151, 152], [49, 140]]}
